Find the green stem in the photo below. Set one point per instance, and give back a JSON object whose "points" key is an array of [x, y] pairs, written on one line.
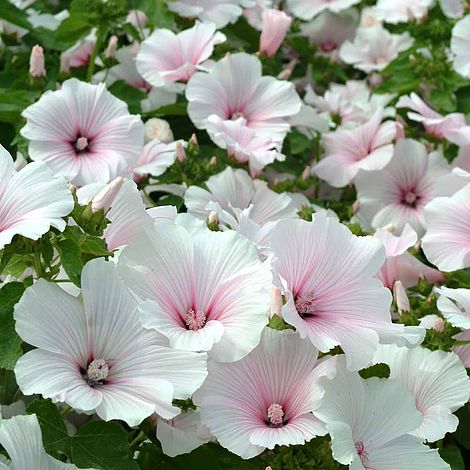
{"points": [[137, 440], [91, 65], [66, 410]]}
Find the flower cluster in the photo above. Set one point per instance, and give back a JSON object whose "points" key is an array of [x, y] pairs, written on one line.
{"points": [[235, 229]]}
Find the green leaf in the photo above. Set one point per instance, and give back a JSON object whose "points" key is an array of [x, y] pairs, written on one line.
{"points": [[177, 109], [13, 102], [130, 95], [86, 243], [14, 15], [157, 12], [10, 342], [54, 432], [452, 456], [463, 100], [103, 446], [462, 434], [73, 28], [71, 261], [377, 370]]}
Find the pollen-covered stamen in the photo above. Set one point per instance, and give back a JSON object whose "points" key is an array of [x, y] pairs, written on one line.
{"points": [[81, 144], [410, 198], [275, 415], [237, 115], [195, 320], [361, 451], [305, 305], [97, 372]]}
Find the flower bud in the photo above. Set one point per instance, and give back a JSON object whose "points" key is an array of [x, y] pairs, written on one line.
{"points": [[275, 306], [110, 51], [401, 297], [180, 153], [104, 199], [156, 128], [36, 62], [275, 26]]}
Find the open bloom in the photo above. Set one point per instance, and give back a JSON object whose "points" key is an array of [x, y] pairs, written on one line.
{"points": [[454, 304], [234, 88], [155, 159], [275, 26], [267, 398], [460, 46], [374, 48], [31, 200], [437, 380], [452, 8], [95, 356], [307, 9], [83, 133], [435, 124], [447, 240], [327, 277], [21, 437], [402, 11], [352, 103], [205, 291], [165, 57], [367, 147], [244, 143], [366, 432], [219, 12], [245, 205], [397, 194], [400, 265], [329, 30]]}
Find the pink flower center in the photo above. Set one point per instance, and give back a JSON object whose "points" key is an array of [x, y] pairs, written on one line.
{"points": [[195, 320], [328, 46], [275, 415], [81, 144], [410, 198], [97, 372], [361, 451], [305, 305], [236, 115]]}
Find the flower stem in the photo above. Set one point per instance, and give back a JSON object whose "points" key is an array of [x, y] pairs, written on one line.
{"points": [[91, 64]]}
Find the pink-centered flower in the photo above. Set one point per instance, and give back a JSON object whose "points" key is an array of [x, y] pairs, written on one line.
{"points": [[307, 9], [165, 57], [366, 432], [397, 194], [219, 12], [276, 23], [234, 88], [267, 398], [94, 355], [374, 48], [83, 133], [327, 277], [367, 147], [435, 124], [205, 291], [446, 243], [329, 30], [437, 380], [31, 200]]}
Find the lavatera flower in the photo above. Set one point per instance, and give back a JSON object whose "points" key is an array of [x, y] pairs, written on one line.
{"points": [[83, 133], [369, 422], [327, 276], [205, 291], [31, 200], [267, 398], [94, 355]]}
